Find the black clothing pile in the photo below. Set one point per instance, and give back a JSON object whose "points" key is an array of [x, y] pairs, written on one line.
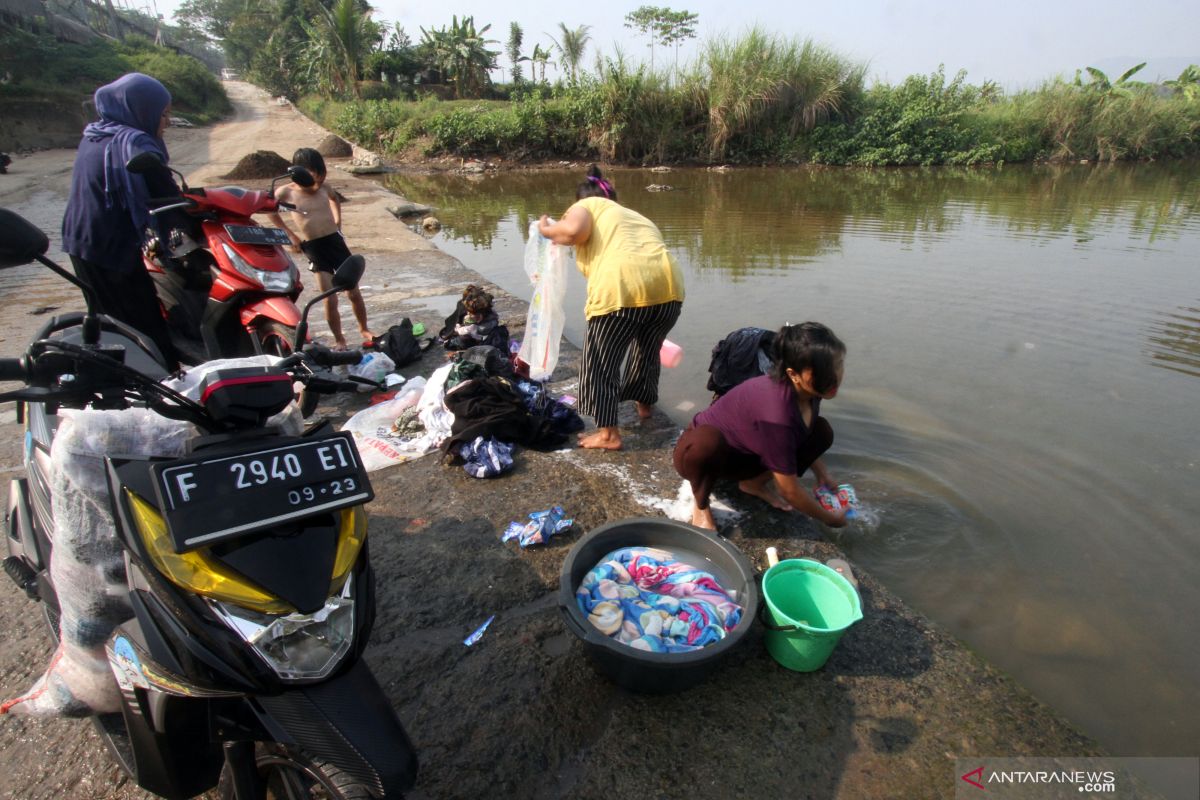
{"points": [[486, 400]]}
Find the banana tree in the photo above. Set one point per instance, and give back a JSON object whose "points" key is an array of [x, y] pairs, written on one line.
{"points": [[1188, 83], [1100, 83], [460, 52]]}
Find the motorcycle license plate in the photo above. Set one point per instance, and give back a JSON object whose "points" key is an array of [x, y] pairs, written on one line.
{"points": [[206, 500], [257, 234]]}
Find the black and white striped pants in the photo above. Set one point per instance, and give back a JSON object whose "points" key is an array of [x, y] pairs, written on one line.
{"points": [[635, 335]]}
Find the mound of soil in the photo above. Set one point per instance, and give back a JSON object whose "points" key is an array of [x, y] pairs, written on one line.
{"points": [[335, 147], [259, 164]]}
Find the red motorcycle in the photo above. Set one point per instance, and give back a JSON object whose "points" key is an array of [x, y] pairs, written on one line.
{"points": [[227, 286]]}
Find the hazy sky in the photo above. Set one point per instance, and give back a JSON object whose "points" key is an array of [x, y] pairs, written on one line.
{"points": [[1015, 42]]}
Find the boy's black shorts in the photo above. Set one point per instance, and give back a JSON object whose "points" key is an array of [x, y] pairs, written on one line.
{"points": [[326, 253]]}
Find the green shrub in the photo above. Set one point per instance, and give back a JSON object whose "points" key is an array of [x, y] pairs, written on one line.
{"points": [[40, 65], [922, 121]]}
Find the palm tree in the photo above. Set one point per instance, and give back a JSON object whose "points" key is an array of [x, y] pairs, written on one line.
{"points": [[461, 53], [339, 39], [570, 46], [538, 57]]}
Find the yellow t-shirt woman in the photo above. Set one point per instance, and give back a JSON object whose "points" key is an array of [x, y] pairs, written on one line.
{"points": [[625, 260]]}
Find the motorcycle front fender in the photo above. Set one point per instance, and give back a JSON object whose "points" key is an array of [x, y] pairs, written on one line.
{"points": [[280, 309], [349, 722]]}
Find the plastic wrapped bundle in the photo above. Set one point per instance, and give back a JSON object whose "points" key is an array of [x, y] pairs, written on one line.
{"points": [[87, 565]]}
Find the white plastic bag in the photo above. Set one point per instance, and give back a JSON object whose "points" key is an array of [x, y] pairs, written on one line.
{"points": [[372, 429], [373, 367], [546, 265]]}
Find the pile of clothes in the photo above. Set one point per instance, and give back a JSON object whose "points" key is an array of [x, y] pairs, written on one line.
{"points": [[648, 599], [483, 395]]}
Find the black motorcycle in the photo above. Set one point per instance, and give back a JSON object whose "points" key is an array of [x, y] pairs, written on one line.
{"points": [[246, 569]]}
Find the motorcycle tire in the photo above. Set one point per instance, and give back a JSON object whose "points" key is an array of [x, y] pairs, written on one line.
{"points": [[285, 773], [275, 338]]}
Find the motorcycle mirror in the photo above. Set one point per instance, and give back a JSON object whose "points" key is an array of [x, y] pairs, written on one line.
{"points": [[20, 241], [144, 162], [347, 276], [349, 273], [300, 176], [148, 161]]}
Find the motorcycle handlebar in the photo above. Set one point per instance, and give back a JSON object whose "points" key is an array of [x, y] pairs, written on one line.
{"points": [[11, 369], [322, 356], [344, 357], [161, 209]]}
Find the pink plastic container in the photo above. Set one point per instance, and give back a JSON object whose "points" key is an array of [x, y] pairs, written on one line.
{"points": [[670, 354]]}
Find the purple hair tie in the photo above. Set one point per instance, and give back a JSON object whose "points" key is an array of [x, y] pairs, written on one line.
{"points": [[604, 185]]}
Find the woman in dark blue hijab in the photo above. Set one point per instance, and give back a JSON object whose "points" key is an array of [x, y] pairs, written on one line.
{"points": [[107, 212]]}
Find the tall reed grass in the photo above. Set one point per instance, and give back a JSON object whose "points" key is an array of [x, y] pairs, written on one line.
{"points": [[762, 84], [762, 97]]}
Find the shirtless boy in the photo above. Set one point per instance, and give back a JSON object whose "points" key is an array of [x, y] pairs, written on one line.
{"points": [[318, 234]]}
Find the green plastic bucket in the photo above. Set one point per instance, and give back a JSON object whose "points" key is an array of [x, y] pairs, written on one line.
{"points": [[808, 607]]}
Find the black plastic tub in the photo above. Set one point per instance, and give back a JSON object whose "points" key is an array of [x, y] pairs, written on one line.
{"points": [[639, 670]]}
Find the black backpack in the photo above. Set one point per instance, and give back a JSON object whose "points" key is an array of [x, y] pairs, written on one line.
{"points": [[743, 354], [400, 345]]}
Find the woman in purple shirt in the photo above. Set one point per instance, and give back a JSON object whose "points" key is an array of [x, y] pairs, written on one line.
{"points": [[765, 432]]}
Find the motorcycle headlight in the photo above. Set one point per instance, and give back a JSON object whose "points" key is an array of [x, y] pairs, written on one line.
{"points": [[297, 646], [196, 572], [282, 282]]}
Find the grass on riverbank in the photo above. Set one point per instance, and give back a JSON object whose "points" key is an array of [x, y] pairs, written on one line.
{"points": [[44, 68], [764, 98]]}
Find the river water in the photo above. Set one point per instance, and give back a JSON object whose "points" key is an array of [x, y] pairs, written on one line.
{"points": [[1020, 408]]}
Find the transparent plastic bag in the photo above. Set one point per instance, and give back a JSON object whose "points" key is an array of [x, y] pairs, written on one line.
{"points": [[373, 367], [546, 265]]}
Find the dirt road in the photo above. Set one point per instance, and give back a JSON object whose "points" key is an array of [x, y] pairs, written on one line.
{"points": [[522, 714]]}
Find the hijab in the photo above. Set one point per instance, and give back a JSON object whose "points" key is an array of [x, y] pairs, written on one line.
{"points": [[130, 109]]}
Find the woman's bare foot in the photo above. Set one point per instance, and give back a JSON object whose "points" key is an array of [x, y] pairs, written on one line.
{"points": [[603, 439], [367, 337], [765, 490], [644, 411], [339, 343], [703, 518]]}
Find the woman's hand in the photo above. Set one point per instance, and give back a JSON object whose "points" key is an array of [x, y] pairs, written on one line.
{"points": [[574, 228], [835, 519], [824, 478]]}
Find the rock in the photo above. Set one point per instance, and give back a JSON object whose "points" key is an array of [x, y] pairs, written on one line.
{"points": [[407, 209], [180, 122], [431, 224], [375, 170], [659, 187], [335, 147], [473, 167], [366, 159], [259, 164], [721, 168], [660, 169]]}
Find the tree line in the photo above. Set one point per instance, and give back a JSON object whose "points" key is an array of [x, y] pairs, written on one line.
{"points": [[328, 47]]}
